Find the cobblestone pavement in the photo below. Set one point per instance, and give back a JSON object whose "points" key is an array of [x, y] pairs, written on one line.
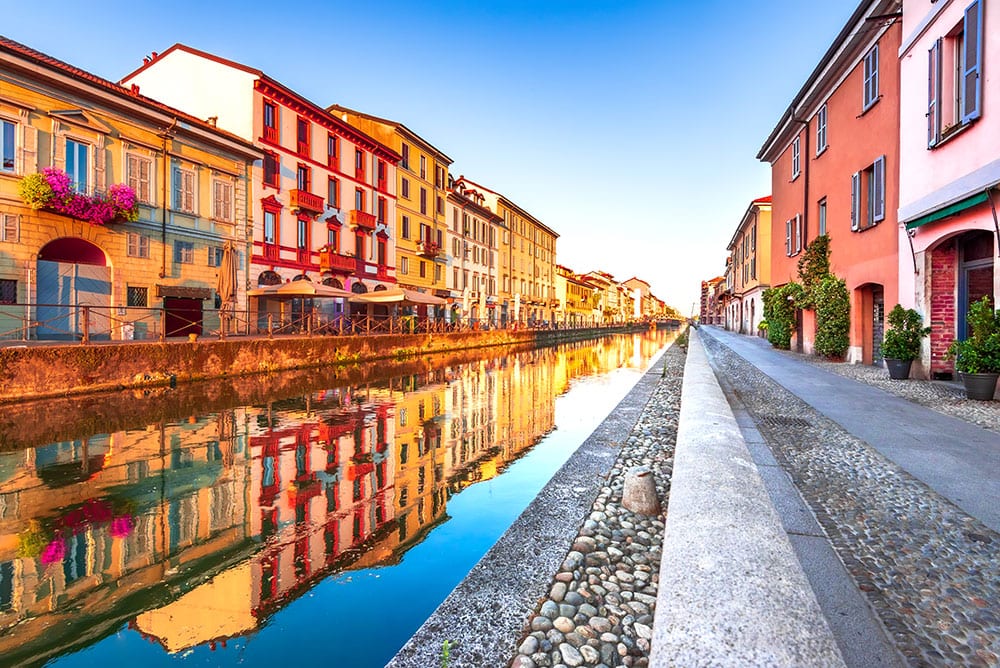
{"points": [[944, 397], [600, 605], [930, 571]]}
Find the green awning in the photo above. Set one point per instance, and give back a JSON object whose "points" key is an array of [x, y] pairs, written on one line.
{"points": [[949, 210]]}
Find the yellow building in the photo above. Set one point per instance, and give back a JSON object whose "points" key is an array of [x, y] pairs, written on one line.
{"points": [[113, 146], [749, 268], [421, 192], [527, 287]]}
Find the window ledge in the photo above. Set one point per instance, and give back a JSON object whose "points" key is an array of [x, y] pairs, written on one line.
{"points": [[865, 110], [950, 133], [822, 150]]}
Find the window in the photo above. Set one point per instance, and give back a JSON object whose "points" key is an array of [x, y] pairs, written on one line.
{"points": [[359, 199], [405, 232], [215, 256], [868, 196], [183, 190], [380, 210], [423, 167], [404, 187], [405, 153], [821, 130], [359, 163], [954, 84], [793, 235], [332, 152], [822, 216], [8, 291], [136, 296], [184, 252], [137, 245], [333, 193], [871, 78], [270, 121], [222, 200], [440, 239], [795, 158], [423, 269], [439, 177], [302, 234], [7, 146], [271, 170], [302, 136], [423, 200], [440, 205], [404, 265], [270, 226], [10, 230], [380, 172], [303, 177], [140, 169], [332, 238], [76, 164]]}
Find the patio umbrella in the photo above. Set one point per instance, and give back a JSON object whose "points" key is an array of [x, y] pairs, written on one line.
{"points": [[227, 275]]}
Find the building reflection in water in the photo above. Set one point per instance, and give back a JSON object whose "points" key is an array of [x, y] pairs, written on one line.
{"points": [[195, 532]]}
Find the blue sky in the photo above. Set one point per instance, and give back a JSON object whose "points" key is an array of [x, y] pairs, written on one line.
{"points": [[630, 128]]}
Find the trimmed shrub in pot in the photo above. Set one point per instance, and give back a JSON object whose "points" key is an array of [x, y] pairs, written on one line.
{"points": [[901, 343], [977, 358]]}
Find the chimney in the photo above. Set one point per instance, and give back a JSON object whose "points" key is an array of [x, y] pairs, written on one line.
{"points": [[213, 121]]}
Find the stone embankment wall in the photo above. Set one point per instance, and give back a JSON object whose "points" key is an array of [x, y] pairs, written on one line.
{"points": [[43, 371], [732, 591]]}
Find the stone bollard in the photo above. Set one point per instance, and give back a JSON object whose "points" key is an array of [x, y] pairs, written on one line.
{"points": [[639, 494]]}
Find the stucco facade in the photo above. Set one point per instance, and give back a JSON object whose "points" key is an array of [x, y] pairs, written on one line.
{"points": [[749, 268]]}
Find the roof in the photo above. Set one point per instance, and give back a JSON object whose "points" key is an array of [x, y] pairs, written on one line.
{"points": [[131, 94], [349, 130], [510, 204], [759, 202], [396, 124]]}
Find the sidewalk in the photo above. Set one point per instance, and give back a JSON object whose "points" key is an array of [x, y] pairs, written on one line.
{"points": [[956, 459], [893, 508]]}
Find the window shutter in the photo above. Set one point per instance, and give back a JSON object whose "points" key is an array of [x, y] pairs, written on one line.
{"points": [[798, 232], [972, 61], [177, 176], [58, 147], [27, 155], [934, 94], [100, 162], [788, 237], [878, 190], [855, 201]]}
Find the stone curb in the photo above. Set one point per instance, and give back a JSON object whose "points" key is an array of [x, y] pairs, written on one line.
{"points": [[732, 592]]}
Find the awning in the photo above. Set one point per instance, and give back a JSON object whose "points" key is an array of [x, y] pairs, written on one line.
{"points": [[949, 210], [396, 296], [297, 289], [183, 292]]}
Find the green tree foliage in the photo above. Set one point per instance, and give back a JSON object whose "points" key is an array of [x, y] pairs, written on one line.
{"points": [[980, 353], [779, 312], [902, 339], [833, 316], [814, 266]]}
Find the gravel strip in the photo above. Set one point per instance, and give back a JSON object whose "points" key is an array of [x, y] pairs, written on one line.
{"points": [[930, 571], [600, 606]]}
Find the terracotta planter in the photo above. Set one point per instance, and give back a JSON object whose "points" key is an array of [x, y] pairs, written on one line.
{"points": [[898, 369], [980, 386]]}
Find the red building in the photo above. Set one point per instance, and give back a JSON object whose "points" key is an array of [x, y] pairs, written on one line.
{"points": [[834, 159]]}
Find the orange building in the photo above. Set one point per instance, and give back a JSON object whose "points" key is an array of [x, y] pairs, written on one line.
{"points": [[827, 182]]}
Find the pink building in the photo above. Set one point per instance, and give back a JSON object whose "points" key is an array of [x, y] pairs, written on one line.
{"points": [[949, 165]]}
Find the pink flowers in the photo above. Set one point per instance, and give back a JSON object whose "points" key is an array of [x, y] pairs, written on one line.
{"points": [[53, 190]]}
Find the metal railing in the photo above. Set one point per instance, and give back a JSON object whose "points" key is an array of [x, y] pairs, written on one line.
{"points": [[87, 324]]}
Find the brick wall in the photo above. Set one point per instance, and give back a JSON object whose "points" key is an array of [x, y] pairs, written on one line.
{"points": [[944, 277]]}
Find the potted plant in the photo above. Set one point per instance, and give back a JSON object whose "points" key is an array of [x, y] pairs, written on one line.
{"points": [[901, 343], [977, 358]]}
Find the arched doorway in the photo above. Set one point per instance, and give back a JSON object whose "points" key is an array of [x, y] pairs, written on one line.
{"points": [[73, 273]]}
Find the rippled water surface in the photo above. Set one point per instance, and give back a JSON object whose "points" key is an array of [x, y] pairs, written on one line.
{"points": [[302, 517]]}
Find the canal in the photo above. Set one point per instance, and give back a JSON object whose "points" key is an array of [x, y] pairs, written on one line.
{"points": [[303, 517]]}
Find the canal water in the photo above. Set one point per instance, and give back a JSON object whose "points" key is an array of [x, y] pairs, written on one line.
{"points": [[320, 520]]}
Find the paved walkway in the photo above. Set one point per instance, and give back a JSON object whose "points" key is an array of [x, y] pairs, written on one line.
{"points": [[893, 508], [958, 460]]}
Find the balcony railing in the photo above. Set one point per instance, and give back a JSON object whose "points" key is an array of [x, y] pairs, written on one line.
{"points": [[362, 219], [428, 249], [330, 260], [305, 201], [303, 255], [302, 147], [271, 134], [271, 251]]}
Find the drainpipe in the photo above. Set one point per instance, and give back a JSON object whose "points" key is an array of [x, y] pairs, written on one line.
{"points": [[996, 221], [165, 135], [805, 185]]}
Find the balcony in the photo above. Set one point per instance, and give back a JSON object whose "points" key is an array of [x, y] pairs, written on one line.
{"points": [[330, 260], [271, 251], [428, 249], [361, 219], [382, 185], [303, 256], [271, 134], [303, 200], [302, 147]]}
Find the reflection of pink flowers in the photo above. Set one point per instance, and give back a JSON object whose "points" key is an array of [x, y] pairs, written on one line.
{"points": [[54, 551], [121, 526]]}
